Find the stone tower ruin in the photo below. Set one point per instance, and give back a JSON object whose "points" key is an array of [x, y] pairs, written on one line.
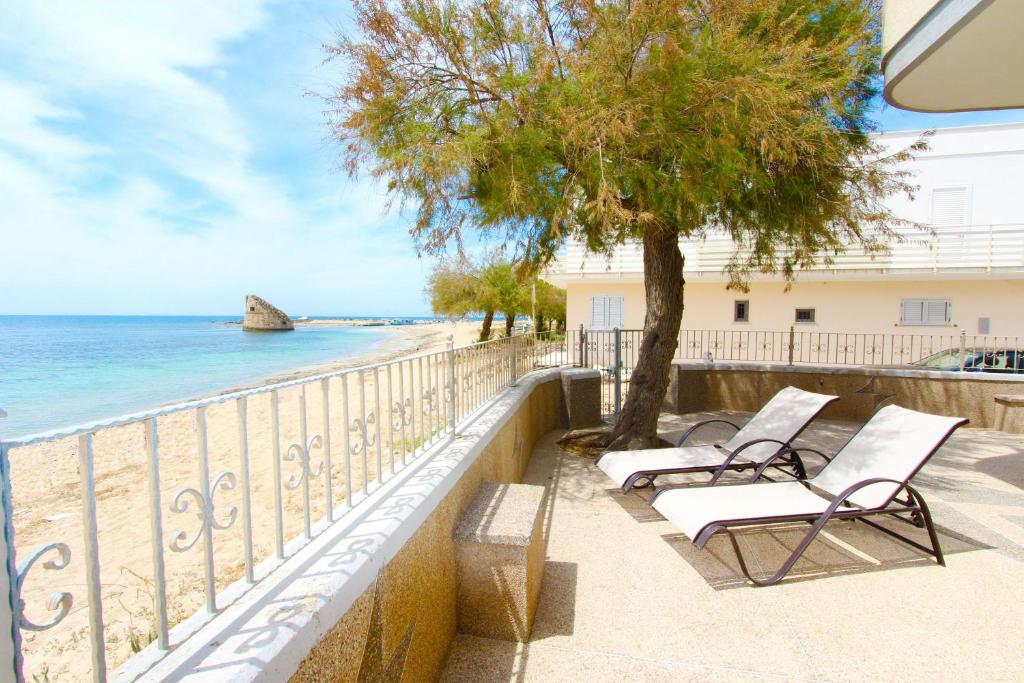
{"points": [[262, 316]]}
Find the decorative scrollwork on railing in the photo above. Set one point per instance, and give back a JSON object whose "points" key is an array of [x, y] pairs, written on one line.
{"points": [[59, 601], [206, 510], [364, 439], [429, 399], [297, 451], [401, 413]]}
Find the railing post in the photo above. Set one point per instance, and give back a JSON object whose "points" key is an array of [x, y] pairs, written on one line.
{"points": [[618, 371], [963, 347], [583, 346], [452, 393], [9, 655], [792, 335], [512, 369]]}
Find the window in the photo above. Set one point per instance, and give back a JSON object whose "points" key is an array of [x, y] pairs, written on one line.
{"points": [[804, 315], [741, 312], [951, 207], [926, 312], [606, 312]]}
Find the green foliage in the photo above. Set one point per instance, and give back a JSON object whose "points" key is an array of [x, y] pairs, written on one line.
{"points": [[457, 289], [454, 290], [603, 120], [550, 304]]}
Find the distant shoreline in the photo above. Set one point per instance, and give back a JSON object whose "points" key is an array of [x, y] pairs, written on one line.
{"points": [[413, 339]]}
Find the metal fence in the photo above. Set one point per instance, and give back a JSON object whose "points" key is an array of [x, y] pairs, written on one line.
{"points": [[955, 351], [615, 352], [127, 527]]}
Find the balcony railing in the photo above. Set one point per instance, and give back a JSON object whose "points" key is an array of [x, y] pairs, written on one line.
{"points": [[979, 248], [133, 532]]}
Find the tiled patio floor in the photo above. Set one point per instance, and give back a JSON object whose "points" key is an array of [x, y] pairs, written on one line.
{"points": [[627, 597]]}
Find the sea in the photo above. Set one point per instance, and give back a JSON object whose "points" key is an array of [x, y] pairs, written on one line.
{"points": [[59, 371]]}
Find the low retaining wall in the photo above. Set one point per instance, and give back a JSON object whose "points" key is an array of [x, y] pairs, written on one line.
{"points": [[747, 386], [373, 595], [406, 620]]}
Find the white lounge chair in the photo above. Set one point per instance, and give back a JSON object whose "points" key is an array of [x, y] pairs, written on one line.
{"points": [[770, 430], [863, 479]]}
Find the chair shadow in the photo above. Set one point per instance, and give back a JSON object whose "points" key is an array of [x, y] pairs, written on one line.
{"points": [[844, 547]]}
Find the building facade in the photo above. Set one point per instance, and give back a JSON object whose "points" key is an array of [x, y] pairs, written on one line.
{"points": [[964, 273]]}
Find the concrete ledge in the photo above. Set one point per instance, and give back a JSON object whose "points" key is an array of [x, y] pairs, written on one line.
{"points": [[501, 513], [862, 390], [270, 630], [1010, 413], [852, 370], [581, 394], [499, 560]]}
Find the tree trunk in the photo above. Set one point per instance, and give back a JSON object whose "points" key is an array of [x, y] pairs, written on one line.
{"points": [[539, 323], [637, 426], [485, 329], [510, 321]]}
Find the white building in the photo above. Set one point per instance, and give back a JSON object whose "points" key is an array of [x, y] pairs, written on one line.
{"points": [[968, 277]]}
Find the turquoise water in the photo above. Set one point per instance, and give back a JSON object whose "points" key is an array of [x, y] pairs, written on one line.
{"points": [[57, 371]]}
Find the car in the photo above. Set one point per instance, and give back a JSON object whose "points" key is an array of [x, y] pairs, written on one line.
{"points": [[974, 360]]}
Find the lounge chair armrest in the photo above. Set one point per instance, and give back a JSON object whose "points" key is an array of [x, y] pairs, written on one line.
{"points": [[732, 456], [785, 451], [691, 430], [853, 488]]}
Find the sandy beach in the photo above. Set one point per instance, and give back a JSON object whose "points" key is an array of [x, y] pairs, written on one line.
{"points": [[48, 509]]}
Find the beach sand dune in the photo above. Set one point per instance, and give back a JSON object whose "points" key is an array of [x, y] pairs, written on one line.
{"points": [[47, 498]]}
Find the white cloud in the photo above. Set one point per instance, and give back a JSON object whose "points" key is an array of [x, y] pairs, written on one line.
{"points": [[106, 107]]}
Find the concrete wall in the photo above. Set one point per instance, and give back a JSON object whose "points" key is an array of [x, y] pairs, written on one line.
{"points": [[863, 307], [412, 606], [736, 386]]}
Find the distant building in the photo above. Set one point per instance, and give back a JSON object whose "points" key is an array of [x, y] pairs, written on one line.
{"points": [[953, 55], [969, 276], [262, 316]]}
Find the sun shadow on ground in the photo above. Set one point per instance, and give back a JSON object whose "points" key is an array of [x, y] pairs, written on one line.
{"points": [[844, 547], [473, 658]]}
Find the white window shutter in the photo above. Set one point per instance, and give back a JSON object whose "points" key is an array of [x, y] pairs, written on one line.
{"points": [[615, 312], [926, 311], [951, 207], [598, 312], [936, 312]]}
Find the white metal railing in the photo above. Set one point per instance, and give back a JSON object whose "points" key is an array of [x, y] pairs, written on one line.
{"points": [[973, 353], [615, 352], [263, 471], [975, 248]]}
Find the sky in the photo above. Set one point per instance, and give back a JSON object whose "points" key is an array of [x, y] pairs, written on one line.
{"points": [[165, 158]]}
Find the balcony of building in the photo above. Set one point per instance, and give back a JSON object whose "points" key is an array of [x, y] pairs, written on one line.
{"points": [[951, 252], [953, 55]]}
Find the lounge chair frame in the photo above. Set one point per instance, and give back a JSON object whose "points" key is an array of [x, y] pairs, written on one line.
{"points": [[913, 505], [644, 478]]}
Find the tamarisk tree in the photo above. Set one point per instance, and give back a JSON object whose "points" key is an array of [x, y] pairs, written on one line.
{"points": [[611, 120]]}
